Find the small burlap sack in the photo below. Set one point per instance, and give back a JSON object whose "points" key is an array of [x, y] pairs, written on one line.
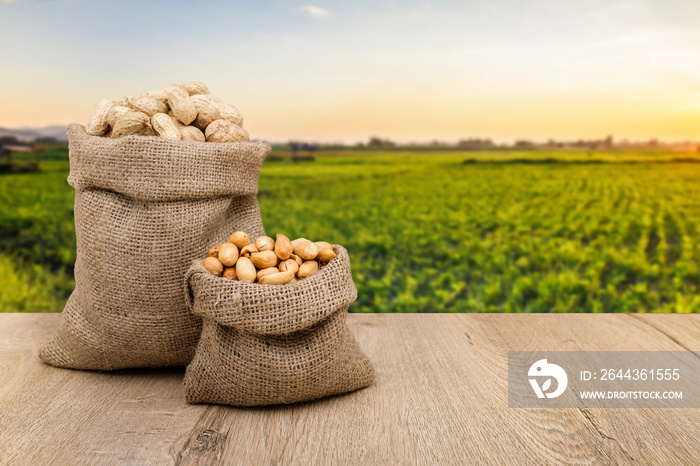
{"points": [[273, 344], [145, 207]]}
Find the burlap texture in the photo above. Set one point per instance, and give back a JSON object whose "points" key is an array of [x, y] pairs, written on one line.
{"points": [[274, 344], [145, 207]]}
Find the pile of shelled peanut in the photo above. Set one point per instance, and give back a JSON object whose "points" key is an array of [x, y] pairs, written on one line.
{"points": [[267, 261]]}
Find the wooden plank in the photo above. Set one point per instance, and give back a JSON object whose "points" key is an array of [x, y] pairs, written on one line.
{"points": [[681, 329], [54, 414], [649, 436], [440, 397]]}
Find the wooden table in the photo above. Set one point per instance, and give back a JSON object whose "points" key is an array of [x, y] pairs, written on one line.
{"points": [[440, 398]]}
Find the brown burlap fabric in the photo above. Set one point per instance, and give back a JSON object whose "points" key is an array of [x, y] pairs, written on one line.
{"points": [[145, 207], [272, 344]]}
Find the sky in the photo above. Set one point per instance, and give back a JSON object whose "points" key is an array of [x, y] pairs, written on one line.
{"points": [[348, 70]]}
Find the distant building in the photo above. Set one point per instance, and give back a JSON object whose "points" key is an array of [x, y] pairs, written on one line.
{"points": [[8, 149], [16, 147]]}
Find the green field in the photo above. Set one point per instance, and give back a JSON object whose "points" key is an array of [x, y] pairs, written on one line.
{"points": [[429, 233]]}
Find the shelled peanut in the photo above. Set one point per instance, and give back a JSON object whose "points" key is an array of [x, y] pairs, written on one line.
{"points": [[181, 111], [266, 260]]}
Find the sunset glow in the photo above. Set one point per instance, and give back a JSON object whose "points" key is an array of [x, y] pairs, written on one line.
{"points": [[344, 71]]}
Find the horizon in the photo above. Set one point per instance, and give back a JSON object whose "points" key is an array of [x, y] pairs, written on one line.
{"points": [[346, 71], [615, 142]]}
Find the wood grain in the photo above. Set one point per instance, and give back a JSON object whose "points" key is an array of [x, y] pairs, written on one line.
{"points": [[440, 398]]}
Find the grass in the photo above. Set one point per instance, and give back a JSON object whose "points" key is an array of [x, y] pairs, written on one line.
{"points": [[429, 233], [37, 237]]}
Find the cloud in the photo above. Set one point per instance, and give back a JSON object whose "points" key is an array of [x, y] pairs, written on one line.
{"points": [[314, 11]]}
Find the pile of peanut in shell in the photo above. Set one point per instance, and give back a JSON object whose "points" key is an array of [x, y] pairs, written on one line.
{"points": [[181, 111], [267, 261]]}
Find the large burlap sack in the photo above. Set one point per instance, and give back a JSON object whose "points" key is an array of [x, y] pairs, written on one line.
{"points": [[145, 207], [273, 344]]}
